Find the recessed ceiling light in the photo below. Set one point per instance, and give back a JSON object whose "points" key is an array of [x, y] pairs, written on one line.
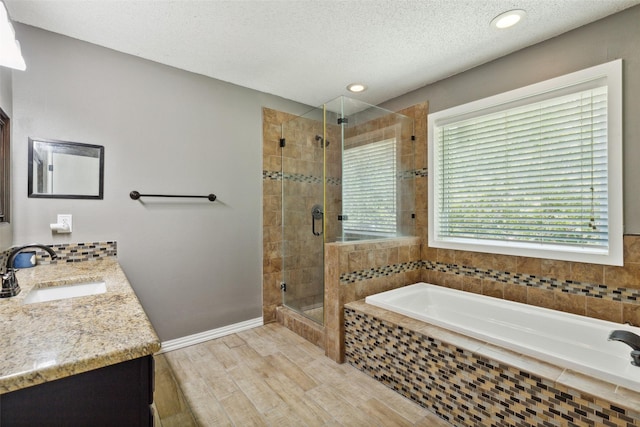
{"points": [[356, 87], [508, 19]]}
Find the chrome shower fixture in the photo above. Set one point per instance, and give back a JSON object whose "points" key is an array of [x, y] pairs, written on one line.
{"points": [[321, 139]]}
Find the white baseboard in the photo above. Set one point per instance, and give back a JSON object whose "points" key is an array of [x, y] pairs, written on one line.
{"points": [[209, 335]]}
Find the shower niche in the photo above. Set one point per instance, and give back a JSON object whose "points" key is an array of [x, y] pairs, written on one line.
{"points": [[347, 170]]}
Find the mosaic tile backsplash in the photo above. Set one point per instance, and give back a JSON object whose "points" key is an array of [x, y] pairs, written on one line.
{"points": [[72, 252], [468, 389]]}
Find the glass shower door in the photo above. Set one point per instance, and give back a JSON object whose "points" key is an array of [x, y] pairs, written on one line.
{"points": [[303, 215]]}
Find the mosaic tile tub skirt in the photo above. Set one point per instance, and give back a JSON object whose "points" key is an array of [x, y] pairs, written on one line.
{"points": [[468, 388]]}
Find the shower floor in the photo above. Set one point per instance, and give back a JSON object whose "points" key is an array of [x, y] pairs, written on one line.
{"points": [[308, 307], [316, 314]]}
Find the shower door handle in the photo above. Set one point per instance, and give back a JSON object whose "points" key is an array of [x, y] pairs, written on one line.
{"points": [[317, 214]]}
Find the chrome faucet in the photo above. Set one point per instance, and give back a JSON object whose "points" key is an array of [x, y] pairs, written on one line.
{"points": [[10, 287], [630, 339]]}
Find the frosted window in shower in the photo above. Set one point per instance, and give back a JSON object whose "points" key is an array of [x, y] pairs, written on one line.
{"points": [[369, 194]]}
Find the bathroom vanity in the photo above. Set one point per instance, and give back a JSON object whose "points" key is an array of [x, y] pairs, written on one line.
{"points": [[77, 360]]}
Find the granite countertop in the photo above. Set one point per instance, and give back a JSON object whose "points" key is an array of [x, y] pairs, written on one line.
{"points": [[46, 341]]}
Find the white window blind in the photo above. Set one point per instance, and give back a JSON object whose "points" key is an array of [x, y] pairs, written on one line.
{"points": [[369, 188], [533, 172]]}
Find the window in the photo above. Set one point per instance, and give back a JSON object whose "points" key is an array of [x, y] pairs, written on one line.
{"points": [[369, 189], [533, 172], [5, 162]]}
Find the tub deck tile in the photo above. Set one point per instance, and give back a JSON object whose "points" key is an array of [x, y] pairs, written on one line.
{"points": [[520, 361], [484, 385]]}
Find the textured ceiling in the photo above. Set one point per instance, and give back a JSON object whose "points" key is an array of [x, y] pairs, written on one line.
{"points": [[310, 50]]}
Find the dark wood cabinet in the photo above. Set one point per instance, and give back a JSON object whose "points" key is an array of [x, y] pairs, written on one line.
{"points": [[116, 395]]}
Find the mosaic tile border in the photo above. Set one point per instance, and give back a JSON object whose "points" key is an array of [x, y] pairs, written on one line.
{"points": [[626, 295], [465, 388], [414, 173], [567, 286], [387, 270], [273, 175], [424, 172], [295, 177], [72, 252], [311, 179]]}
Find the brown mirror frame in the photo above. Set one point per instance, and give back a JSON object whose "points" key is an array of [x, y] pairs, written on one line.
{"points": [[66, 147], [5, 167]]}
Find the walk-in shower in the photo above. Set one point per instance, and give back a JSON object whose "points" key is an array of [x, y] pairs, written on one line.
{"points": [[345, 168]]}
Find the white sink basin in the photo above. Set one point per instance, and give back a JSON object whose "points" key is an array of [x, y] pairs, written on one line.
{"points": [[65, 291]]}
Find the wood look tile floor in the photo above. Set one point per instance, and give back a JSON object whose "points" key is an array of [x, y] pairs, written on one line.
{"points": [[269, 376]]}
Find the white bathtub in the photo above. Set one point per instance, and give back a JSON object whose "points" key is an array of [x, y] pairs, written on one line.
{"points": [[576, 342]]}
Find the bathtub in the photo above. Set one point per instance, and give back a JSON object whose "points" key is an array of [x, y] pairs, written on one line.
{"points": [[575, 342]]}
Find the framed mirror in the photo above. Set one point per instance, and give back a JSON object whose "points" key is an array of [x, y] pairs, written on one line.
{"points": [[65, 170], [5, 166]]}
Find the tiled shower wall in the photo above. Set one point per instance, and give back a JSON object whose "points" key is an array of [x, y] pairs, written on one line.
{"points": [[302, 187], [356, 270], [271, 211], [299, 165], [302, 164], [394, 262], [604, 292]]}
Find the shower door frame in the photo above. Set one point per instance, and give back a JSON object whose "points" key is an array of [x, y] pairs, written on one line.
{"points": [[303, 233]]}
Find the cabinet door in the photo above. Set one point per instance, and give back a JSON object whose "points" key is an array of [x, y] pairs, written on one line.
{"points": [[116, 395]]}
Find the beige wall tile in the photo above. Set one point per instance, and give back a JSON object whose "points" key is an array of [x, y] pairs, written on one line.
{"points": [[428, 253], [571, 303], [515, 293], [632, 249], [540, 297], [556, 269], [472, 284], [605, 310], [463, 258], [506, 263], [627, 276], [531, 266], [413, 276], [590, 273], [482, 260], [357, 260], [427, 276], [454, 281], [393, 256], [631, 314], [446, 256], [414, 252], [492, 288], [403, 254]]}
